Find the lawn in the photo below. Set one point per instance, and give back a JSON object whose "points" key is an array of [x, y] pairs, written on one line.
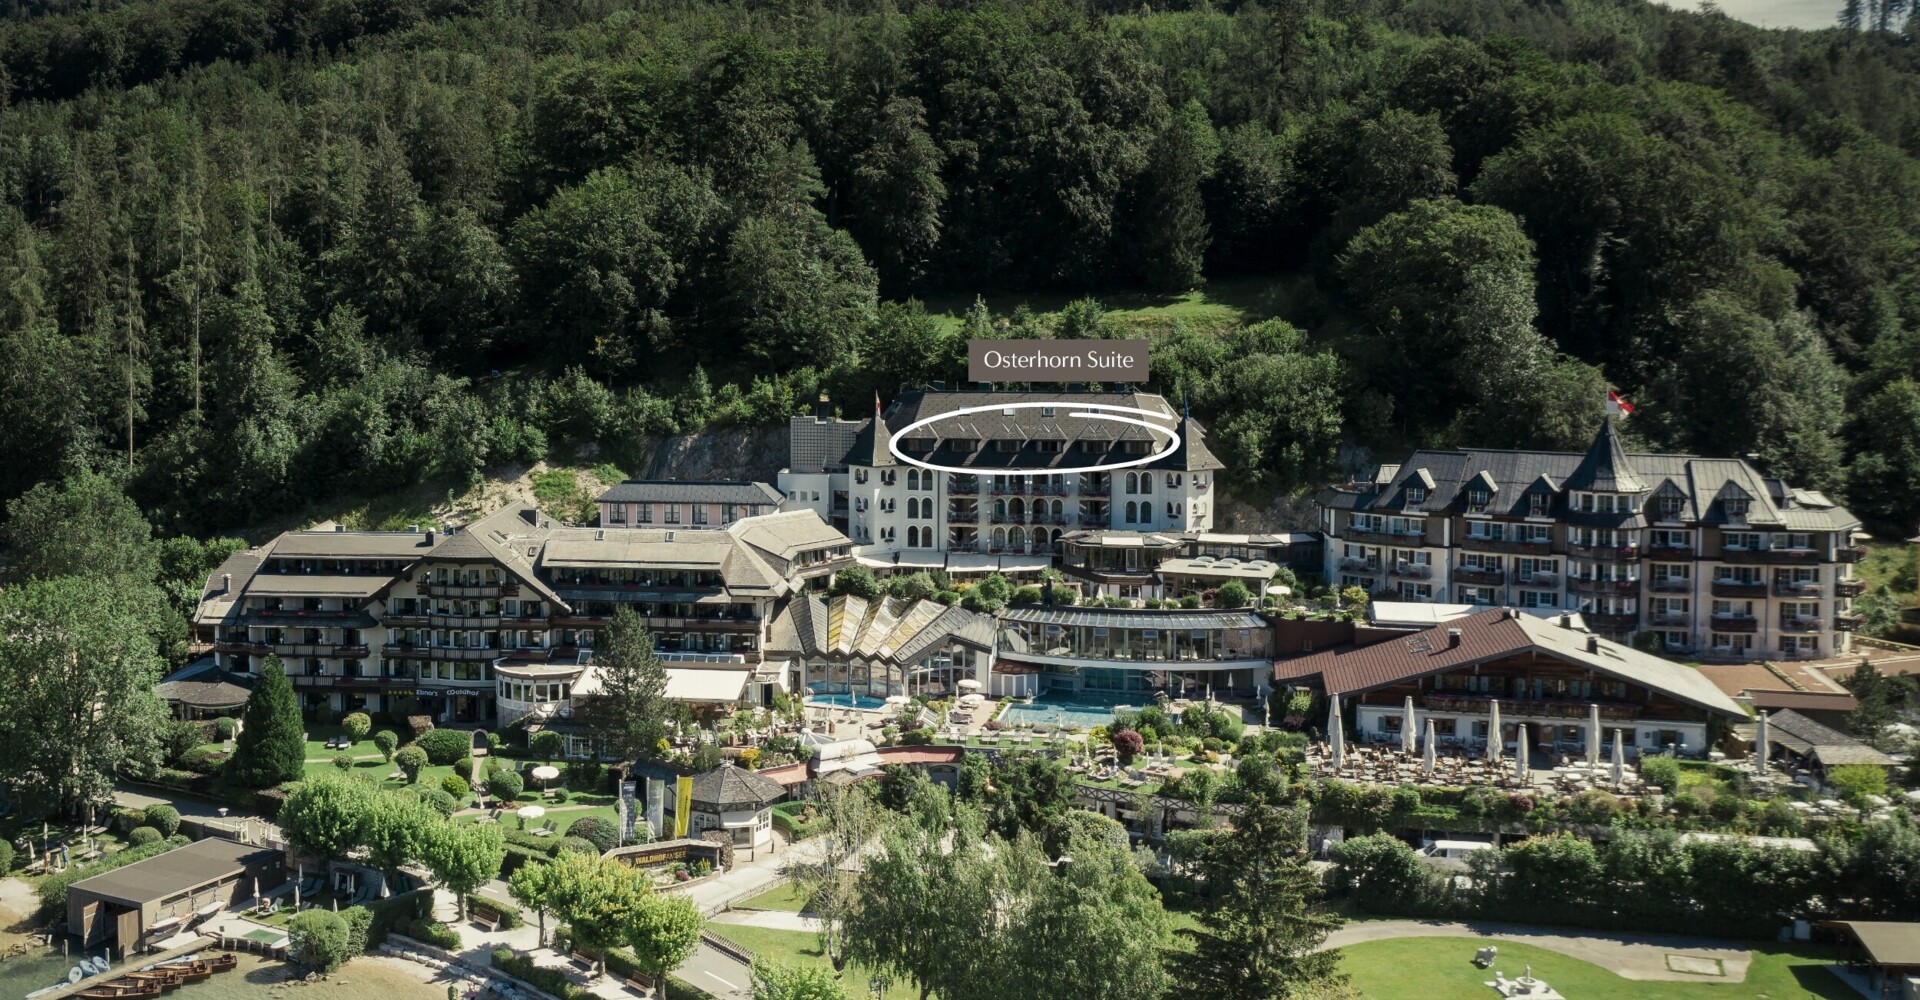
{"points": [[786, 896], [1443, 969], [803, 948], [1221, 305]]}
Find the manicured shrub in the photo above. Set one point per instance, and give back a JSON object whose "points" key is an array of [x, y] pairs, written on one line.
{"points": [[163, 818], [505, 786], [223, 728], [319, 940], [127, 819], [457, 787], [436, 799], [493, 742], [343, 762], [558, 795], [143, 835], [603, 835], [357, 725], [434, 933], [411, 759], [575, 844], [387, 742], [446, 746], [358, 919], [1661, 771]]}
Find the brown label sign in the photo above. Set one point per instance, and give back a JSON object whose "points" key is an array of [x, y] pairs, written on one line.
{"points": [[1057, 360]]}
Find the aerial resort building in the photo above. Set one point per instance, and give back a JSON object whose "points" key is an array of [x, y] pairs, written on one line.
{"points": [[1550, 674], [1715, 558], [1127, 654]]}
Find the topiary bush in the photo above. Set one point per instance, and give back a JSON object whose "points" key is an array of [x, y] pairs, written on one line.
{"points": [[319, 940], [558, 795], [600, 833], [163, 818], [143, 835], [505, 786], [357, 725], [457, 787], [411, 759], [343, 762], [223, 728], [387, 742], [446, 746], [436, 799], [576, 845]]}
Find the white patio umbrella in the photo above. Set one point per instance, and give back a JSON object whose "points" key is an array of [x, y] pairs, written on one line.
{"points": [[545, 773], [897, 699], [1593, 735], [1494, 743], [529, 812], [1520, 755], [1336, 737], [1427, 763], [1619, 761], [969, 684], [1760, 748], [1407, 735]]}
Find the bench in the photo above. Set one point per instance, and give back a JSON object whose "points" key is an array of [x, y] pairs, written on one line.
{"points": [[639, 983]]}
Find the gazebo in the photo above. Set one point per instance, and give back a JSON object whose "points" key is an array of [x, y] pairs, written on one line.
{"points": [[737, 801]]}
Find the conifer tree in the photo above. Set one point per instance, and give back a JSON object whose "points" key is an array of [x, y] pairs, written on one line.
{"points": [[271, 747]]}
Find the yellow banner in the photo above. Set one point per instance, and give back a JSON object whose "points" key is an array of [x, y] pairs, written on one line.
{"points": [[683, 806]]}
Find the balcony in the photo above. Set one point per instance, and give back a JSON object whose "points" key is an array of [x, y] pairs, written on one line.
{"points": [[1612, 621], [959, 487], [968, 514], [346, 681], [1360, 565], [1471, 704], [1797, 588], [1739, 588], [287, 649], [1357, 532], [443, 652], [1849, 588], [1850, 553], [1606, 553], [480, 591], [1668, 550], [1670, 619], [1480, 577], [1848, 621], [1803, 625], [1411, 571], [1586, 585], [1672, 585], [1537, 580], [1481, 543], [1770, 556], [1733, 623]]}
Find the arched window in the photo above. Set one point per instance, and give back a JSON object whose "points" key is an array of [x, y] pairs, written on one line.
{"points": [[1133, 485], [1053, 539], [913, 507], [1132, 508], [913, 538], [1017, 539], [1146, 483], [1057, 509], [999, 538], [1017, 509]]}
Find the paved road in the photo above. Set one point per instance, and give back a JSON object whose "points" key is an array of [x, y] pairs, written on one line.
{"points": [[718, 973]]}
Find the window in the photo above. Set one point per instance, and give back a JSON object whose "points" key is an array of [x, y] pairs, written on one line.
{"points": [[913, 538], [1741, 541], [1537, 504], [1046, 411], [1146, 483], [1049, 446], [913, 479], [1173, 510], [1671, 505], [1416, 495], [1477, 500], [1133, 512], [617, 513], [673, 513], [1006, 446], [700, 513], [1174, 480], [1736, 508]]}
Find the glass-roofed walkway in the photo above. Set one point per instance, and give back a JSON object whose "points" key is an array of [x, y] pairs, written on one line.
{"points": [[1120, 651]]}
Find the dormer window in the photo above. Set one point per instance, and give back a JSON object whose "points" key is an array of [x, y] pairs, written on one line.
{"points": [[1537, 504], [1416, 495], [1006, 446], [1050, 447], [1671, 506], [1736, 508], [1477, 499]]}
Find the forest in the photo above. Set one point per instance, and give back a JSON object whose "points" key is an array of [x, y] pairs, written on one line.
{"points": [[260, 253]]}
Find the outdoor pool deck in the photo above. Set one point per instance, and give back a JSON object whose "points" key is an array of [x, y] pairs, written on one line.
{"points": [[1061, 710]]}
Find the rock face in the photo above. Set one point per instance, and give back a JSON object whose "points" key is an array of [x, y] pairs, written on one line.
{"points": [[748, 453]]}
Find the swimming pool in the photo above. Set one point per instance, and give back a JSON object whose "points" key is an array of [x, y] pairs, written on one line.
{"points": [[865, 703], [1059, 711]]}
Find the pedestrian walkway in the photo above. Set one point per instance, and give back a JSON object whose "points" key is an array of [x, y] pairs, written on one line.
{"points": [[777, 920], [1643, 957]]}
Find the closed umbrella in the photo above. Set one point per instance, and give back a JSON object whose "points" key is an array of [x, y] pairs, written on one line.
{"points": [[1760, 748], [1593, 735], [1336, 736], [1427, 764], [1407, 735], [1494, 743], [1520, 755], [1619, 761]]}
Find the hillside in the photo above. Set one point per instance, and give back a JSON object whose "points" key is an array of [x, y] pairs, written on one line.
{"points": [[266, 257]]}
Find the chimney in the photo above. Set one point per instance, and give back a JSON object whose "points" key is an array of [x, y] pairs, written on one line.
{"points": [[413, 529], [1566, 621], [1593, 644], [339, 527], [430, 534], [822, 408], [600, 535], [226, 583], [1453, 637]]}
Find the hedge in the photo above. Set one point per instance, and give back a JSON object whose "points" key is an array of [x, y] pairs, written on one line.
{"points": [[446, 746], [394, 913], [551, 980], [509, 916], [53, 888]]}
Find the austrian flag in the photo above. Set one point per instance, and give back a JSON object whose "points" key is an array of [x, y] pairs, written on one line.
{"points": [[1617, 406]]}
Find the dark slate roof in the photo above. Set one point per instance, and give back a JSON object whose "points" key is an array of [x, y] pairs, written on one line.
{"points": [[206, 686], [1029, 427], [1605, 468], [729, 787], [1702, 484], [681, 491], [1823, 743], [173, 872]]}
